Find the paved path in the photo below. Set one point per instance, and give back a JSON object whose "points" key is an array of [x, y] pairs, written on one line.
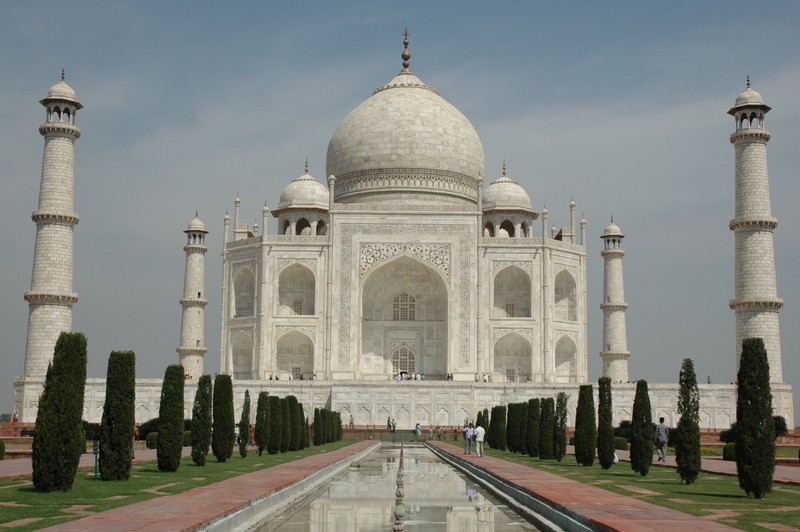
{"points": [[715, 464], [190, 509], [605, 510]]}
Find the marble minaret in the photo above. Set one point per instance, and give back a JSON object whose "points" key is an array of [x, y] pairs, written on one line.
{"points": [[756, 302], [51, 296], [193, 347], [615, 338]]}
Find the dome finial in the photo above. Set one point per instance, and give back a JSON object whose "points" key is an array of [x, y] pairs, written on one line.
{"points": [[612, 218], [504, 167], [748, 81], [63, 74], [306, 164], [196, 213], [406, 55]]}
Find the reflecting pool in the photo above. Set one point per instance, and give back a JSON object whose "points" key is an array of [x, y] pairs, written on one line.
{"points": [[437, 498]]}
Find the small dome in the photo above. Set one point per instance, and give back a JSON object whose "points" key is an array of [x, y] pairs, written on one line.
{"points": [[305, 192], [506, 194], [196, 226], [749, 97], [62, 91], [612, 229]]}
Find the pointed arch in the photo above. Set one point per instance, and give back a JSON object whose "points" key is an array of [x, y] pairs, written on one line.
{"points": [[244, 287], [512, 357], [296, 290], [295, 355], [512, 294], [566, 369], [565, 297], [242, 351]]}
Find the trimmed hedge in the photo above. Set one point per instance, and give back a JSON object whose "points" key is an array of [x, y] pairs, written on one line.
{"points": [[642, 426], [547, 422], [119, 417], [244, 425], [605, 427], [170, 414], [275, 420], [222, 439], [620, 443], [2, 450], [201, 421], [534, 412], [59, 430], [729, 452], [262, 422], [152, 440]]}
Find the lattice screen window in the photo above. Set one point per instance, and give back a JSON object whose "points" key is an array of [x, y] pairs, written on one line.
{"points": [[403, 359], [296, 372], [404, 308], [297, 306], [510, 375], [511, 310]]}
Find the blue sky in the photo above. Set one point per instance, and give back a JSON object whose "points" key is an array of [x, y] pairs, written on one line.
{"points": [[619, 105]]}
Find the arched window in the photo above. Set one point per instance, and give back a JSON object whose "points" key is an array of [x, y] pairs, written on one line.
{"points": [[566, 303], [296, 290], [404, 307], [512, 294], [242, 351], [244, 284], [286, 228], [403, 359], [303, 227], [506, 229], [488, 229], [322, 229], [566, 369]]}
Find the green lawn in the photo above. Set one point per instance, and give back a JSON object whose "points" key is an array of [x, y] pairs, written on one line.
{"points": [[709, 495], [19, 500]]}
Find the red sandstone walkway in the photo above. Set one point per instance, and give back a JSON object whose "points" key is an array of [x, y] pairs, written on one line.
{"points": [[191, 509], [605, 510]]}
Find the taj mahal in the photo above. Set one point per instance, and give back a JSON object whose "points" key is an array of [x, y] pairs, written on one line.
{"points": [[408, 284]]}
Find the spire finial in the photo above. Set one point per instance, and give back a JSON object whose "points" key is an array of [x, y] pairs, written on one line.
{"points": [[612, 218], [406, 55], [748, 81], [306, 164], [63, 74], [504, 167], [196, 213]]}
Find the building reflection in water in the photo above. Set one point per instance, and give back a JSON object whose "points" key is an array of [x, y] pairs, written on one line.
{"points": [[437, 498]]}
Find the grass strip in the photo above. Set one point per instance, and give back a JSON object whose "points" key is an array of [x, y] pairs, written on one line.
{"points": [[20, 502], [711, 495]]}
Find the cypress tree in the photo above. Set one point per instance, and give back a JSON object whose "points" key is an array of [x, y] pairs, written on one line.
{"points": [[317, 426], [324, 425], [479, 418], [523, 427], [307, 433], [547, 429], [274, 425], [303, 426], [170, 415], [642, 431], [497, 427], [119, 417], [59, 431], [295, 423], [224, 434], [585, 428], [201, 420], [244, 425], [262, 420], [560, 436], [286, 425], [687, 440], [605, 428], [534, 412], [512, 428], [755, 435]]}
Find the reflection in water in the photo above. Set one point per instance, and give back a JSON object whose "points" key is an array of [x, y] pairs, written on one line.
{"points": [[437, 498]]}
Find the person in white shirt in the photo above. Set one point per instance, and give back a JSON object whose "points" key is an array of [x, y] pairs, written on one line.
{"points": [[480, 432]]}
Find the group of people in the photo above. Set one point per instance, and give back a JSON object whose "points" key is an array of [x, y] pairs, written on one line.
{"points": [[476, 434], [405, 376]]}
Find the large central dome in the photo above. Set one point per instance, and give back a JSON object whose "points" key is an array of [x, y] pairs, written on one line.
{"points": [[406, 144]]}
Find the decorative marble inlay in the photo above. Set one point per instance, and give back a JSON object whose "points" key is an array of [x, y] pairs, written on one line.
{"points": [[560, 333], [411, 344], [459, 293], [437, 255], [282, 263], [499, 332], [308, 330], [500, 265]]}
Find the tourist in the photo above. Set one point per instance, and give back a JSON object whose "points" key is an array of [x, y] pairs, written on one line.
{"points": [[661, 437], [480, 433], [469, 432], [394, 425], [430, 432], [417, 431], [388, 423]]}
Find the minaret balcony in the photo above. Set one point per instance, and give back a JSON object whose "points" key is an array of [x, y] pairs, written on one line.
{"points": [[753, 223], [193, 302], [615, 355], [750, 134], [191, 350], [613, 306], [60, 128], [756, 304], [53, 299], [54, 217], [618, 252]]}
